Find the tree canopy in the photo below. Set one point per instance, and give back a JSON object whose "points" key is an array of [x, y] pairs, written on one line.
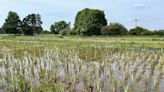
{"points": [[12, 23], [31, 24], [58, 26], [89, 21]]}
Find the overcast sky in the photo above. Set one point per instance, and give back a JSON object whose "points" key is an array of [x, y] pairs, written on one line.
{"points": [[150, 13]]}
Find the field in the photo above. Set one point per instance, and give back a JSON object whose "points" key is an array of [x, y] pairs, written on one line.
{"points": [[49, 63]]}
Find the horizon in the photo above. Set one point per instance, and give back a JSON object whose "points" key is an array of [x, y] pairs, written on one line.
{"points": [[123, 12]]}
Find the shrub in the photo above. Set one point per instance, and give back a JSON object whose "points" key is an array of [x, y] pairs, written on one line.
{"points": [[114, 29], [2, 31], [140, 31], [72, 32], [58, 26], [65, 31], [45, 32], [159, 32]]}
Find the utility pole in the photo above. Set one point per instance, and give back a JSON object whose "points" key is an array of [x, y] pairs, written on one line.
{"points": [[136, 22]]}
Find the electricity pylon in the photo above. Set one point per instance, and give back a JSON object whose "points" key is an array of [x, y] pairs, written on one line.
{"points": [[136, 22]]}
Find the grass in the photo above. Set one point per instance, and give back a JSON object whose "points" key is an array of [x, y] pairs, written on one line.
{"points": [[49, 63], [118, 41]]}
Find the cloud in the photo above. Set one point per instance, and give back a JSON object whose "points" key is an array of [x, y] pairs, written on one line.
{"points": [[139, 5], [122, 11]]}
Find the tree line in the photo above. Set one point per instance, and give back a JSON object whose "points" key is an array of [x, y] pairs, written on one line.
{"points": [[88, 22], [30, 25]]}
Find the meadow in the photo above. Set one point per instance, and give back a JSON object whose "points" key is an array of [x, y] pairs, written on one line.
{"points": [[54, 63]]}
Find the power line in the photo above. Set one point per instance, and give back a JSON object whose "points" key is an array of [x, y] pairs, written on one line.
{"points": [[136, 22]]}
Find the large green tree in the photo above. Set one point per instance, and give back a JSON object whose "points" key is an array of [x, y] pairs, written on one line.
{"points": [[31, 24], [12, 23], [58, 26], [114, 29], [89, 21]]}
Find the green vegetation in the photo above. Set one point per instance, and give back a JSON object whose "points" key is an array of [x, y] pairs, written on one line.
{"points": [[58, 27], [75, 60], [72, 63], [29, 26], [114, 29], [32, 24], [140, 31], [12, 23], [89, 22]]}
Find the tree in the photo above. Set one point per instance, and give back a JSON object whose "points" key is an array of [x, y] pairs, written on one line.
{"points": [[114, 29], [45, 32], [12, 23], [159, 32], [38, 26], [32, 24], [52, 28], [89, 21], [65, 31], [2, 31], [57, 26], [139, 31]]}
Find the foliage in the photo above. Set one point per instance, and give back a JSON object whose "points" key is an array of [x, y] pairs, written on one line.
{"points": [[114, 29], [159, 32], [65, 31], [12, 23], [2, 31], [139, 31], [31, 24], [52, 28], [59, 67], [73, 32], [58, 26], [89, 21], [45, 32]]}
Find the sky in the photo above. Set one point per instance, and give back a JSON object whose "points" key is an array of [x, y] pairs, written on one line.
{"points": [[149, 13]]}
